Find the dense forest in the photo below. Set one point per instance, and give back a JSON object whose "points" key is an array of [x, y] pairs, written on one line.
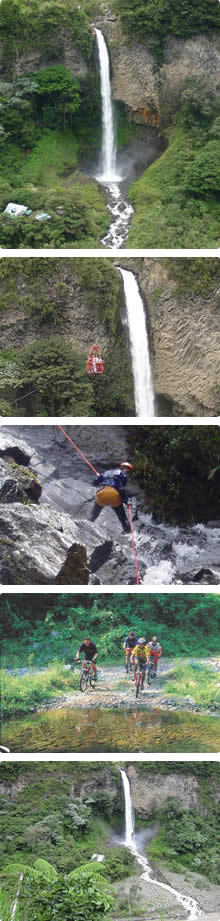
{"points": [[178, 467], [51, 125], [61, 815], [47, 626]]}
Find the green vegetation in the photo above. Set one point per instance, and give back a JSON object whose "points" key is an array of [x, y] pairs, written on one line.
{"points": [[55, 816], [194, 276], [45, 627], [50, 123], [21, 694], [48, 377], [187, 839], [49, 119], [180, 191], [50, 831], [45, 632], [178, 468], [195, 681], [154, 22]]}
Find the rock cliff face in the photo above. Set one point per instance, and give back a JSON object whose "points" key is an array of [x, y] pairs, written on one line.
{"points": [[185, 341], [150, 793], [150, 91], [32, 60], [79, 323]]}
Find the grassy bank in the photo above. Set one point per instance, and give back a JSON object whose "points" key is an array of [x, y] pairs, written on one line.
{"points": [[199, 683], [177, 199], [22, 694], [27, 692]]}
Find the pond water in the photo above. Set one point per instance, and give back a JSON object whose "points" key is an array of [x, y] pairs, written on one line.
{"points": [[133, 730]]}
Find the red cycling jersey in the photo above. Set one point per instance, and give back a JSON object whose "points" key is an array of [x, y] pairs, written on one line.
{"points": [[155, 651]]}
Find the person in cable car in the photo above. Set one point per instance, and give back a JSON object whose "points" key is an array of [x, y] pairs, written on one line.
{"points": [[95, 364], [99, 362]]}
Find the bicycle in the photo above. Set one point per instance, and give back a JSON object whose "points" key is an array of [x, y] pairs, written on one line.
{"points": [[138, 679], [87, 676], [128, 665], [151, 673]]}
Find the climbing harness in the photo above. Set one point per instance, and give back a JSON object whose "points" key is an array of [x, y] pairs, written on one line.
{"points": [[128, 505], [133, 544]]}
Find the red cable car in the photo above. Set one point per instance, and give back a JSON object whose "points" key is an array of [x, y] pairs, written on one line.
{"points": [[95, 363]]}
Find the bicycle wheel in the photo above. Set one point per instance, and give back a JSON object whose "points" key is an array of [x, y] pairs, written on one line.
{"points": [[92, 682], [138, 683], [83, 682], [126, 665]]}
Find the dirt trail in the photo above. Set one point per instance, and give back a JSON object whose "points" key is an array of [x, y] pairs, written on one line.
{"points": [[116, 689]]}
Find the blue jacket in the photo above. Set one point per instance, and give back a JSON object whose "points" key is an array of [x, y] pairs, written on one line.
{"points": [[116, 478]]}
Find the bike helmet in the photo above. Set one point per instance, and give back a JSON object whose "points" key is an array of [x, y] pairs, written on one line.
{"points": [[126, 465], [142, 641], [154, 639], [131, 633]]}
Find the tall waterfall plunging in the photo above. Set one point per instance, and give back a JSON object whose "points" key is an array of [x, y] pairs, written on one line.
{"points": [[140, 353], [129, 841], [108, 156], [120, 209]]}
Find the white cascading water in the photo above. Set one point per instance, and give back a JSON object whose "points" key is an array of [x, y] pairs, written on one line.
{"points": [[190, 905], [121, 211], [108, 160], [15, 904], [140, 353]]}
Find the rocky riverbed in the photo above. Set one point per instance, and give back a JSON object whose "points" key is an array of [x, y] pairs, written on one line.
{"points": [[47, 537]]}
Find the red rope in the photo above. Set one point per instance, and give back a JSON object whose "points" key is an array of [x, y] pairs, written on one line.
{"points": [[133, 544], [77, 449], [128, 506]]}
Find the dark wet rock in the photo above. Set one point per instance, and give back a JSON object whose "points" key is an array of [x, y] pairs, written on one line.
{"points": [[39, 546], [203, 576], [74, 570], [100, 555]]}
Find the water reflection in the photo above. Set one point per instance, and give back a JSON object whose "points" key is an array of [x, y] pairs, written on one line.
{"points": [[133, 730]]}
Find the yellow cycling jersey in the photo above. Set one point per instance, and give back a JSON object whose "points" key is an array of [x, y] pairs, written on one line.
{"points": [[142, 652]]}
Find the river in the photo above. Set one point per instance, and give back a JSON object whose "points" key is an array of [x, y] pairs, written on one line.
{"points": [[68, 729], [130, 842]]}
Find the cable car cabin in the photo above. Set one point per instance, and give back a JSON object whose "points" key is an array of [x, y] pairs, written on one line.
{"points": [[95, 363]]}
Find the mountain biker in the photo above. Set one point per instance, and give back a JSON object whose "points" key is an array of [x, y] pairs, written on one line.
{"points": [[90, 652], [111, 491], [155, 652], [129, 644], [140, 656]]}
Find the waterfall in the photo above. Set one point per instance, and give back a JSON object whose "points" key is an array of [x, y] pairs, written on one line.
{"points": [[129, 815], [140, 353], [15, 904], [108, 156], [190, 905]]}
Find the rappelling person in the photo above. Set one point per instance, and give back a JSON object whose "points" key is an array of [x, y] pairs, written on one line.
{"points": [[111, 491]]}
